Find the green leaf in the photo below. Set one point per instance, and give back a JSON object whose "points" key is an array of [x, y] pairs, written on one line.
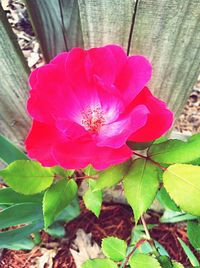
{"points": [[9, 152], [37, 238], [165, 200], [93, 200], [176, 151], [165, 262], [99, 263], [70, 212], [177, 265], [114, 248], [56, 198], [193, 230], [9, 237], [183, 185], [19, 214], [65, 173], [27, 177], [138, 145], [175, 216], [140, 227], [90, 171], [140, 260], [112, 176], [56, 230], [8, 196], [140, 186], [23, 244], [138, 233], [160, 140], [193, 260], [162, 251], [195, 162]]}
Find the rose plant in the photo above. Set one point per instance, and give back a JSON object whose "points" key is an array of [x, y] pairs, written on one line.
{"points": [[95, 119]]}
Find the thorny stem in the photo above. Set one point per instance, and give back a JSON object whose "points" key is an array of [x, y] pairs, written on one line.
{"points": [[57, 177], [150, 240], [86, 177], [139, 243], [151, 160]]}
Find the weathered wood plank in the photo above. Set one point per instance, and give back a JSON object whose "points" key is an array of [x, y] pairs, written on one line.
{"points": [[46, 21], [56, 24], [104, 22], [72, 24], [165, 31], [168, 32], [14, 121], [61, 25]]}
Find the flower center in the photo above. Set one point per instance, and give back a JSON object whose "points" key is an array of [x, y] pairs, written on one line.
{"points": [[93, 119]]}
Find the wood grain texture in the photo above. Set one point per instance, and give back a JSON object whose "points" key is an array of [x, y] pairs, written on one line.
{"points": [[14, 121], [72, 24], [61, 25], [168, 32], [165, 31], [56, 24], [104, 22], [46, 21]]}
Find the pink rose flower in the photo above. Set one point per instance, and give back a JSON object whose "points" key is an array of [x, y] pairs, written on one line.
{"points": [[86, 104]]}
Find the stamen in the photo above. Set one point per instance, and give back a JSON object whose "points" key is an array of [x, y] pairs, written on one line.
{"points": [[93, 119]]}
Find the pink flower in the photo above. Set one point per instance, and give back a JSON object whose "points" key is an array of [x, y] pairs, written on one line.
{"points": [[86, 104]]}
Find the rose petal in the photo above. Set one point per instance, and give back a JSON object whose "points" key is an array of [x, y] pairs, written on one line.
{"points": [[159, 120], [74, 154], [60, 59], [80, 153], [134, 76], [33, 77], [40, 142], [102, 64], [120, 56], [116, 134], [71, 129], [105, 156]]}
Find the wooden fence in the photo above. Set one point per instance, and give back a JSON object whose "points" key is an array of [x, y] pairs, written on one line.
{"points": [[166, 31]]}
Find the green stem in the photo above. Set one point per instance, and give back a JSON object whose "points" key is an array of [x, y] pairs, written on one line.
{"points": [[145, 228], [150, 240]]}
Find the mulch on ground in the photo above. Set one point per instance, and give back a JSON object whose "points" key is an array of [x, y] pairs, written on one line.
{"points": [[115, 220]]}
